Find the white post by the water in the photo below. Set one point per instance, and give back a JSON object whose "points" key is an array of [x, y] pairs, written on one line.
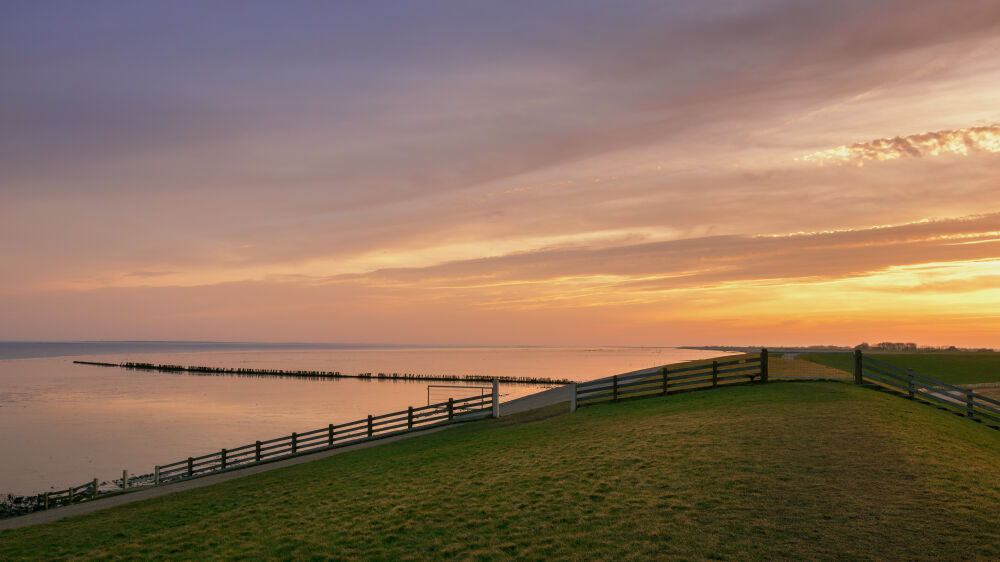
{"points": [[496, 398], [572, 397]]}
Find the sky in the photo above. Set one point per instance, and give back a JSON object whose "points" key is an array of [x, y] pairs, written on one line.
{"points": [[501, 173]]}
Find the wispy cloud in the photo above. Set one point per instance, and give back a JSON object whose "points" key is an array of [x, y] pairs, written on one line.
{"points": [[698, 263], [958, 141]]}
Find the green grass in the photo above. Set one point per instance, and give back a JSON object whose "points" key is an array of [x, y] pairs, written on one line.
{"points": [[950, 367], [784, 470]]}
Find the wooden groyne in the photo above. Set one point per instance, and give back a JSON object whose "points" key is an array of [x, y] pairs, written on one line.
{"points": [[198, 370]]}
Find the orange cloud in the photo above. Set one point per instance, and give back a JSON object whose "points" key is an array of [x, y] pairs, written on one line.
{"points": [[959, 141]]}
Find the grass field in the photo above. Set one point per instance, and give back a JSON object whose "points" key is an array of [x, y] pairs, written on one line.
{"points": [[953, 368], [800, 470]]}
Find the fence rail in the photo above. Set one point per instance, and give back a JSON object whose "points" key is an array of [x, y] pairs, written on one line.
{"points": [[912, 385], [73, 494], [671, 378], [439, 392]]}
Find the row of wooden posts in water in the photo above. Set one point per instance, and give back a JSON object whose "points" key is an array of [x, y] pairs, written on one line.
{"points": [[326, 374]]}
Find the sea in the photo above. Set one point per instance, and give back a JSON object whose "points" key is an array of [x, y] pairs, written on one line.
{"points": [[63, 424]]}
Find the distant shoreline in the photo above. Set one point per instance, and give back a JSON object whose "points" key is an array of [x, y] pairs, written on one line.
{"points": [[756, 349], [42, 349]]}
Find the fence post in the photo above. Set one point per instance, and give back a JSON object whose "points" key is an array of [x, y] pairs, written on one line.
{"points": [[451, 409], [295, 442], [46, 500], [257, 452], [190, 466], [909, 384], [409, 417], [572, 397], [124, 479], [330, 434], [496, 397], [857, 366], [969, 404], [666, 380], [614, 381], [223, 455], [156, 475], [763, 365], [715, 374], [94, 491], [370, 431], [71, 495]]}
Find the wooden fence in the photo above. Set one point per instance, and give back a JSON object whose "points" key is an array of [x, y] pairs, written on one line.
{"points": [[915, 386], [330, 437], [672, 378], [75, 494]]}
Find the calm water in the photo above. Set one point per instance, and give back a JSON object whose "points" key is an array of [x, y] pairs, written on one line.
{"points": [[62, 424]]}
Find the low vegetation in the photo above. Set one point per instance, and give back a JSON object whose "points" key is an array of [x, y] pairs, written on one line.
{"points": [[782, 470], [951, 367]]}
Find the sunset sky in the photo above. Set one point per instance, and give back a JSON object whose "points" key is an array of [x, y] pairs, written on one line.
{"points": [[549, 173]]}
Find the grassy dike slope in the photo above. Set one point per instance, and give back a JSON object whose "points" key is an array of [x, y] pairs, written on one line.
{"points": [[806, 470]]}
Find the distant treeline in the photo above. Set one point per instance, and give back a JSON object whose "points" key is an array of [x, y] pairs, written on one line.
{"points": [[910, 346], [864, 346], [325, 374]]}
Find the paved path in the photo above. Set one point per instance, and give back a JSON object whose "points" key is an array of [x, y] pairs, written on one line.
{"points": [[164, 489]]}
